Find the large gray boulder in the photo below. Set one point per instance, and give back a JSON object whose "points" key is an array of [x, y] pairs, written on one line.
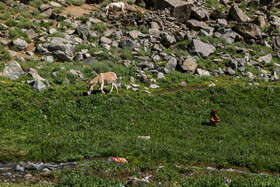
{"points": [[231, 37], [266, 59], [47, 13], [129, 43], [13, 71], [82, 31], [198, 25], [38, 85], [202, 72], [171, 64], [77, 73], [248, 30], [20, 44], [62, 48], [276, 42], [200, 13], [36, 76], [202, 48], [189, 65], [237, 14], [181, 10], [105, 40], [167, 40]]}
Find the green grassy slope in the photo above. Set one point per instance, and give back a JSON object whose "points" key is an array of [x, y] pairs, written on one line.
{"points": [[64, 125]]}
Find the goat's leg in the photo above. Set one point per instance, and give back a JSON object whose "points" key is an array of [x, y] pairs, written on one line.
{"points": [[102, 91], [124, 13], [112, 87], [116, 87]]}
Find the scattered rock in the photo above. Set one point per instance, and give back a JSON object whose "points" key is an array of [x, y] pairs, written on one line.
{"points": [[202, 48], [167, 40], [20, 44], [202, 72], [171, 64], [248, 30], [13, 71], [230, 71], [198, 25], [189, 65], [144, 137], [237, 14], [200, 13], [154, 86], [266, 59], [38, 85], [160, 75], [179, 9]]}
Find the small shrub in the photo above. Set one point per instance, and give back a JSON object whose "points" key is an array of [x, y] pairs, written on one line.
{"points": [[26, 14], [36, 3], [83, 18], [104, 3], [17, 33], [46, 24], [11, 23], [58, 10], [2, 6], [78, 3], [5, 16], [4, 54], [24, 24], [99, 27], [143, 5], [145, 30], [127, 53], [57, 34], [142, 52], [130, 2]]}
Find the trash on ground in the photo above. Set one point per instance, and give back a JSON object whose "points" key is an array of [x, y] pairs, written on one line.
{"points": [[135, 181], [144, 137], [227, 180], [116, 159]]}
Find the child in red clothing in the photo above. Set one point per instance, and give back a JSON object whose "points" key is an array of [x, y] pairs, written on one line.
{"points": [[214, 118]]}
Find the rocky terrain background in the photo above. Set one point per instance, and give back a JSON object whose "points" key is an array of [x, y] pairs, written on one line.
{"points": [[207, 38]]}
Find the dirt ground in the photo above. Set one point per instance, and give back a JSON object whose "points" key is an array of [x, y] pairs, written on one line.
{"points": [[77, 11]]}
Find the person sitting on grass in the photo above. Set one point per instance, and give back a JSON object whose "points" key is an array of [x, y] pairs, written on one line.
{"points": [[214, 118]]}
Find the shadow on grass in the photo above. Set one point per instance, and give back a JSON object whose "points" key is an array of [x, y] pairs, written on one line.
{"points": [[206, 123]]}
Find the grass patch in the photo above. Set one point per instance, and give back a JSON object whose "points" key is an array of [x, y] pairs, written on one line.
{"points": [[4, 54], [57, 34], [100, 27], [73, 2], [36, 3], [17, 33], [127, 53], [2, 6], [248, 114]]}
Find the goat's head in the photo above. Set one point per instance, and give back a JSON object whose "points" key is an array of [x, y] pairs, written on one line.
{"points": [[88, 87]]}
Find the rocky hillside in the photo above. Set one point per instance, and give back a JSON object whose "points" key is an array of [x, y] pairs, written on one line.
{"points": [[46, 43]]}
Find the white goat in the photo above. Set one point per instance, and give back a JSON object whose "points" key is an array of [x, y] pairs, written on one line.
{"points": [[103, 79], [113, 6]]}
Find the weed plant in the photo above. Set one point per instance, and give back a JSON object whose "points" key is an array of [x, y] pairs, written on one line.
{"points": [[4, 54]]}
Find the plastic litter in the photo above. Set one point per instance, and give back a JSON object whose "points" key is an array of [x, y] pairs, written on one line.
{"points": [[144, 137], [117, 159], [227, 180]]}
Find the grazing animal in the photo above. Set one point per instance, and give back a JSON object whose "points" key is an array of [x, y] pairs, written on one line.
{"points": [[103, 79], [113, 6]]}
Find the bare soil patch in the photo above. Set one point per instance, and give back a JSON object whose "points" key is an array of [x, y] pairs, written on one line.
{"points": [[77, 11]]}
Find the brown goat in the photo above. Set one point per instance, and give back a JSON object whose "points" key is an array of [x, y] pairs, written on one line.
{"points": [[103, 79]]}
